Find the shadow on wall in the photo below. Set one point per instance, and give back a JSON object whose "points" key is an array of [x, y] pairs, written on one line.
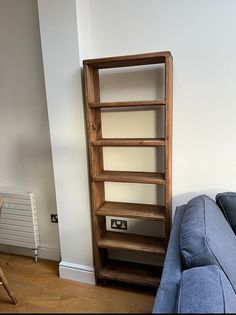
{"points": [[134, 83]]}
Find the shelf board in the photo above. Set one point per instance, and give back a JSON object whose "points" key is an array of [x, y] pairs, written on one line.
{"points": [[132, 210], [131, 177], [128, 104], [129, 142], [130, 272], [140, 243], [128, 61]]}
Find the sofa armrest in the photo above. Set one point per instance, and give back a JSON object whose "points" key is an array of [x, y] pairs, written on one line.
{"points": [[166, 299], [172, 270]]}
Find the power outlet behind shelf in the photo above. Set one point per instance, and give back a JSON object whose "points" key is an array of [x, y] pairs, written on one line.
{"points": [[54, 218], [119, 224]]}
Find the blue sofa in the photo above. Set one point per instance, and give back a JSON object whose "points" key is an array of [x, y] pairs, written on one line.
{"points": [[199, 274]]}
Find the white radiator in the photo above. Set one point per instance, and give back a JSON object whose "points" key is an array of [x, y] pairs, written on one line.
{"points": [[18, 220]]}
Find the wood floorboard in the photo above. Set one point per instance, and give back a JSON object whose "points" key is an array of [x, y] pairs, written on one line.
{"points": [[39, 289]]}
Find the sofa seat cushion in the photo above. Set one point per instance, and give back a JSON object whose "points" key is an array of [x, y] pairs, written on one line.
{"points": [[206, 290], [227, 203], [206, 238]]}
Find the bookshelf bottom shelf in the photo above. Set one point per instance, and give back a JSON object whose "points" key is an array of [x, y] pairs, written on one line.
{"points": [[142, 274]]}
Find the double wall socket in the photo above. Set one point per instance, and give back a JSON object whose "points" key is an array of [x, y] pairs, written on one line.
{"points": [[54, 218], [119, 224]]}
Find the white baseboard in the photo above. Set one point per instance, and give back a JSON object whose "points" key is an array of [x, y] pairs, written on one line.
{"points": [[44, 252], [49, 253], [76, 272]]}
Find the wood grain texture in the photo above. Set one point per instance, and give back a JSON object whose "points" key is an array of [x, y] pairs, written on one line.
{"points": [[40, 290], [94, 132], [131, 177], [128, 60], [168, 148], [132, 210], [146, 275], [144, 103], [140, 243], [4, 282], [129, 142], [3, 278]]}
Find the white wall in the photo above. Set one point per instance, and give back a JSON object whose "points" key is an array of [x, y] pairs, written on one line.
{"points": [[61, 58], [25, 158], [200, 35]]}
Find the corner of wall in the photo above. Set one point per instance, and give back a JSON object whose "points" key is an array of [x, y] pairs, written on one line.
{"points": [[76, 272]]}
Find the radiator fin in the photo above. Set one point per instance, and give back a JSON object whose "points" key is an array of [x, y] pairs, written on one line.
{"points": [[18, 220]]}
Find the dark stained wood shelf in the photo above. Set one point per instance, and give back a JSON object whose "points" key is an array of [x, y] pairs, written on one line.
{"points": [[136, 273], [145, 103], [129, 60], [132, 210], [129, 142], [140, 243], [131, 177]]}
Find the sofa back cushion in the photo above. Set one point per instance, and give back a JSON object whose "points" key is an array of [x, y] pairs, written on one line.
{"points": [[227, 203], [206, 237], [206, 290]]}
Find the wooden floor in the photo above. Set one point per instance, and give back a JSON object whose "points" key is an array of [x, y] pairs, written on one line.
{"points": [[39, 289]]}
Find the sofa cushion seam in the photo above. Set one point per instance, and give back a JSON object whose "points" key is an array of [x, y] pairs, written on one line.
{"points": [[223, 295], [179, 297]]}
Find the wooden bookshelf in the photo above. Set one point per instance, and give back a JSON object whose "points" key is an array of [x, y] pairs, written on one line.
{"points": [[103, 239]]}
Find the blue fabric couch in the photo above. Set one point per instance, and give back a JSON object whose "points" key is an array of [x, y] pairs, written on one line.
{"points": [[199, 274]]}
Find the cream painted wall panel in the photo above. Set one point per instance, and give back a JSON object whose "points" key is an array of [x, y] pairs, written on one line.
{"points": [[130, 124], [143, 159], [137, 193], [26, 161], [132, 83]]}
